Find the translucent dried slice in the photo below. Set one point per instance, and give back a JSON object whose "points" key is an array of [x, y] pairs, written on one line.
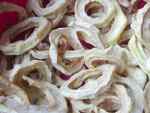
{"points": [[9, 90], [35, 69], [140, 53], [138, 75], [117, 27], [123, 104], [135, 92], [115, 55], [56, 102], [99, 18], [95, 58], [116, 100], [125, 100], [54, 10], [62, 40], [140, 24], [42, 28], [87, 83], [6, 7]]}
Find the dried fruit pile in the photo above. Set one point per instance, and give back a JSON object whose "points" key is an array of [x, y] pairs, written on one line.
{"points": [[75, 56]]}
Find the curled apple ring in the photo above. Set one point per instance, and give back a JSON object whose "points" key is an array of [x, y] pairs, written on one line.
{"points": [[123, 101], [56, 102], [19, 47], [113, 13], [71, 39], [97, 57], [54, 10], [114, 55], [120, 93], [62, 40], [100, 20], [35, 69], [115, 100], [87, 83]]}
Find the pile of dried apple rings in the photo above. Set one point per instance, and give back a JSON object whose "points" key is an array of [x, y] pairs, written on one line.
{"points": [[76, 56]]}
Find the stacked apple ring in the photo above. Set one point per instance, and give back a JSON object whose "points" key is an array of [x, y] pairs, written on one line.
{"points": [[76, 56]]}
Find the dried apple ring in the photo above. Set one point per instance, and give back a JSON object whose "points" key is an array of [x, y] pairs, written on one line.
{"points": [[54, 10], [96, 57], [35, 69], [114, 55], [121, 97], [55, 103], [101, 18], [42, 28], [87, 83], [62, 40], [117, 100], [114, 18]]}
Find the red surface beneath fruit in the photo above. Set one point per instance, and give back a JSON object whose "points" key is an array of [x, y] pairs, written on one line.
{"points": [[8, 19], [140, 4], [17, 2]]}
